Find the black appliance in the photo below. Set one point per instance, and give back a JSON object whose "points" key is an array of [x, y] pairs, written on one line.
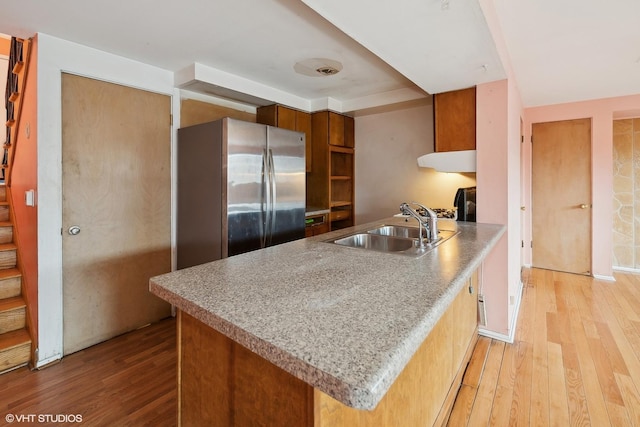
{"points": [[465, 201]]}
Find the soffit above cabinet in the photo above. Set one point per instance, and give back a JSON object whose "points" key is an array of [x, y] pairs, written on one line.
{"points": [[439, 45]]}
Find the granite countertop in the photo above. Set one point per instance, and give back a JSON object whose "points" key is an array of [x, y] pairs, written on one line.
{"points": [[344, 320]]}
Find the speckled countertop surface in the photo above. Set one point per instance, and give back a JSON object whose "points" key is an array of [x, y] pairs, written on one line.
{"points": [[342, 319]]}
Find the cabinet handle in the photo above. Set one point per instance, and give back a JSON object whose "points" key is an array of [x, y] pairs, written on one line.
{"points": [[471, 289]]}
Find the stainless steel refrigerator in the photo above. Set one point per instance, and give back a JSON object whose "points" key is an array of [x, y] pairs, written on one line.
{"points": [[241, 187]]}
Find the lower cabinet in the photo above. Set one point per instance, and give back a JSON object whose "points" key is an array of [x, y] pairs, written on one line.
{"points": [[221, 383], [316, 224]]}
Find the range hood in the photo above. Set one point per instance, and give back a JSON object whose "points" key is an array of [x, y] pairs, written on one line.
{"points": [[450, 161]]}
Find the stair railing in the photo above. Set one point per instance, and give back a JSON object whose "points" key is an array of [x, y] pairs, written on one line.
{"points": [[16, 84]]}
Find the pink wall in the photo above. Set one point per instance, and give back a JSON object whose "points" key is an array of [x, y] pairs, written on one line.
{"points": [[24, 177], [498, 115], [602, 112], [491, 177]]}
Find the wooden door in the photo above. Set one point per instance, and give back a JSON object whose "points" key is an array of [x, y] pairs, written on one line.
{"points": [[561, 196], [116, 190]]}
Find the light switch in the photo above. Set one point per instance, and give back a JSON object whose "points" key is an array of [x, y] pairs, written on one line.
{"points": [[30, 197]]}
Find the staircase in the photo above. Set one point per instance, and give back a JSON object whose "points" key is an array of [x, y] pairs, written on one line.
{"points": [[15, 340]]}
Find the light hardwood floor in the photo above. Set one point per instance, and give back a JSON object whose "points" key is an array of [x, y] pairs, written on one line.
{"points": [[129, 380], [575, 361]]}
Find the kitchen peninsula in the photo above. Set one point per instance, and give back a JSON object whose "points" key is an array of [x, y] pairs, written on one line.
{"points": [[312, 333]]}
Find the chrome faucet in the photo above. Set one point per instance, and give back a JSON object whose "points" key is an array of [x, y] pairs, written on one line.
{"points": [[429, 222]]}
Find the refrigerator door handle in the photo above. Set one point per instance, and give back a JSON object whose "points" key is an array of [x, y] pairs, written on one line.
{"points": [[266, 200], [272, 182]]}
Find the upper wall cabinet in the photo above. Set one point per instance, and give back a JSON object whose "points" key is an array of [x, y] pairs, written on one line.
{"points": [[455, 120], [288, 118], [340, 129]]}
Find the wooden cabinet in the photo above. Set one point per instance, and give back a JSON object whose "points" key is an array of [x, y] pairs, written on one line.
{"points": [[465, 313], [330, 140], [288, 118], [331, 182], [454, 117], [316, 224], [220, 380]]}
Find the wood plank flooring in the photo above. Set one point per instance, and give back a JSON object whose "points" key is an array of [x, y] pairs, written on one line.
{"points": [[575, 359], [129, 380]]}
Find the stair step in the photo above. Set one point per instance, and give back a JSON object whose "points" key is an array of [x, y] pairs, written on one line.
{"points": [[15, 349], [7, 255], [10, 283], [13, 314], [6, 232], [4, 211]]}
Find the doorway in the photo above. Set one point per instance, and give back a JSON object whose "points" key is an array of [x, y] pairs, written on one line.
{"points": [[561, 196], [116, 208]]}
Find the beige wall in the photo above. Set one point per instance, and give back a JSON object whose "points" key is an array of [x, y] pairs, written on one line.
{"points": [[387, 148], [626, 193]]}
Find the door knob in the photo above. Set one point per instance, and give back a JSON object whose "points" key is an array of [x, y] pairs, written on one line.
{"points": [[74, 230], [583, 206]]}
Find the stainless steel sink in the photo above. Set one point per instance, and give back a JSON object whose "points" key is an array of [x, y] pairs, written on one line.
{"points": [[397, 231], [376, 242], [392, 239]]}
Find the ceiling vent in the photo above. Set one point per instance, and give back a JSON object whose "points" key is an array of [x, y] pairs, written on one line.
{"points": [[327, 71], [318, 67]]}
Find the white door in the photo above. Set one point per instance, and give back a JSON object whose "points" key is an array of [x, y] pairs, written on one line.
{"points": [[116, 208]]}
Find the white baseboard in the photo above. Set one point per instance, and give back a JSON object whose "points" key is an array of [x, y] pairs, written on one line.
{"points": [[626, 270], [494, 335], [514, 323], [39, 364], [606, 278]]}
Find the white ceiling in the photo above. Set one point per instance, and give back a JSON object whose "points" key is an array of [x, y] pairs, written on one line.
{"points": [[391, 51]]}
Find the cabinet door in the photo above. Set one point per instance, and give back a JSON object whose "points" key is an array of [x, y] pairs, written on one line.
{"points": [[286, 118], [465, 313], [455, 120], [336, 129], [303, 124], [349, 132]]}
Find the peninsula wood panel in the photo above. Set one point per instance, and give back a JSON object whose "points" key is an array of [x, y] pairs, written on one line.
{"points": [[223, 383], [465, 313], [414, 399]]}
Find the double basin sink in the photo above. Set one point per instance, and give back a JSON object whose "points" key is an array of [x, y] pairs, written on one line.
{"points": [[395, 239]]}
